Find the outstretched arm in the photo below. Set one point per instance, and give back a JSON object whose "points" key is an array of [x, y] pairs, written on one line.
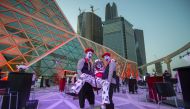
{"points": [[112, 68], [80, 66]]}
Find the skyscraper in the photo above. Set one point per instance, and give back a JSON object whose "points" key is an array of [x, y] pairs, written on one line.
{"points": [[114, 10], [140, 48], [108, 11], [118, 35], [111, 11], [90, 27]]}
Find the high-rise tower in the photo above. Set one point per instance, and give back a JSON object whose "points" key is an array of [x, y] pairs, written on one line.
{"points": [[140, 48], [111, 11], [90, 27], [114, 11]]}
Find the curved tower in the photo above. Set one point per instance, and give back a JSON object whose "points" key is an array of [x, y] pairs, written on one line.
{"points": [[108, 14], [114, 10]]}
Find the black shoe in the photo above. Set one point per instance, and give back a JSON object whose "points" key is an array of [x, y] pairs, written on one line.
{"points": [[109, 106], [75, 97], [71, 94]]}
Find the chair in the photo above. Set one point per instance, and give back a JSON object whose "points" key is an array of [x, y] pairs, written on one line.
{"points": [[164, 90], [151, 88], [3, 90], [19, 90]]}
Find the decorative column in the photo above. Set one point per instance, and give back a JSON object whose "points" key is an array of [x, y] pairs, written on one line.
{"points": [[168, 61]]}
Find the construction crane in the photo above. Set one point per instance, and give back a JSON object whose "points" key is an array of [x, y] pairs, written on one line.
{"points": [[92, 8]]}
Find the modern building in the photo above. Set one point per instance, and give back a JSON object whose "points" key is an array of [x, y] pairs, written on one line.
{"points": [[37, 33], [140, 49], [111, 11], [90, 27], [118, 35]]}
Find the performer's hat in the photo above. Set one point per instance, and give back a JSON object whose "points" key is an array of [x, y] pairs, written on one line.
{"points": [[89, 49], [106, 54]]}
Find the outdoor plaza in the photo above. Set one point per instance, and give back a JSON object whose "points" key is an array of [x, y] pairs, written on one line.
{"points": [[37, 34]]}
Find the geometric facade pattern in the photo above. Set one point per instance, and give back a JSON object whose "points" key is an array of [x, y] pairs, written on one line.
{"points": [[37, 33]]}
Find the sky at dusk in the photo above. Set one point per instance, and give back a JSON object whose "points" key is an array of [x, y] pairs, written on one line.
{"points": [[166, 23]]}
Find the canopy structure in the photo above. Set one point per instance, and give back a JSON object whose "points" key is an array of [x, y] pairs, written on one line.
{"points": [[37, 33]]}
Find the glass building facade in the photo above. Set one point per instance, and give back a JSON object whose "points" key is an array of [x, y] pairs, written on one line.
{"points": [[37, 33], [90, 27], [140, 49], [118, 35]]}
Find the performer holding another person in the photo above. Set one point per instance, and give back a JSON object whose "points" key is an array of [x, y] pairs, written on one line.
{"points": [[84, 66], [100, 79], [95, 80], [110, 75]]}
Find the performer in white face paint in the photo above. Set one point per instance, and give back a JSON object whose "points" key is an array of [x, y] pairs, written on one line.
{"points": [[110, 75], [84, 66], [96, 81]]}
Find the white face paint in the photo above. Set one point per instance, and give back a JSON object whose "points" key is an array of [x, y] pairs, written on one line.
{"points": [[107, 58], [89, 55]]}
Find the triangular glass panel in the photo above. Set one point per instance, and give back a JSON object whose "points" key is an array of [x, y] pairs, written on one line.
{"points": [[30, 9], [57, 43], [31, 53], [29, 58], [21, 7], [33, 30], [21, 35], [8, 57], [12, 51], [36, 44], [40, 52], [3, 46], [38, 39], [19, 16], [42, 48], [13, 2], [3, 8], [30, 35], [11, 30], [2, 31], [25, 26], [49, 47], [37, 23], [43, 31], [51, 43], [28, 3], [8, 13], [14, 24], [24, 50], [26, 44]]}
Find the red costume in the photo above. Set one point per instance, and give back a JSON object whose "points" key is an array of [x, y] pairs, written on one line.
{"points": [[62, 84]]}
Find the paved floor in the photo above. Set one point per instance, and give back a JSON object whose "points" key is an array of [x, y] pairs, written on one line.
{"points": [[51, 98]]}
